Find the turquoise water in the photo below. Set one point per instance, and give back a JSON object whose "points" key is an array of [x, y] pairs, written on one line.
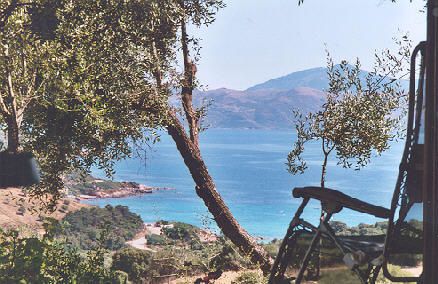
{"points": [[249, 169]]}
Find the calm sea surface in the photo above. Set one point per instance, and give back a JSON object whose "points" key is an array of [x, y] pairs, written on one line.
{"points": [[249, 169]]}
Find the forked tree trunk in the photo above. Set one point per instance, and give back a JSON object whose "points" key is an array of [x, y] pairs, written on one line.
{"points": [[188, 146], [206, 189]]}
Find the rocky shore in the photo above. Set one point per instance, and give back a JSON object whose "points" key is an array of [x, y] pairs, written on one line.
{"points": [[126, 189], [91, 188]]}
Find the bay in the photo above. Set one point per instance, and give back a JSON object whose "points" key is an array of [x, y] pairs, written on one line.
{"points": [[249, 169]]}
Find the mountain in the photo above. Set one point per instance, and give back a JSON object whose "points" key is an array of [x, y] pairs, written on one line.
{"points": [[263, 108], [268, 105], [315, 78]]}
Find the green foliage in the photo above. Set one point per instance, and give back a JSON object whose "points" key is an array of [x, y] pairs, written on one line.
{"points": [[154, 240], [83, 227], [90, 79], [405, 259], [75, 89], [229, 258], [46, 260], [86, 184], [338, 276], [272, 247], [341, 229], [394, 270], [136, 263], [361, 113], [181, 231], [250, 278]]}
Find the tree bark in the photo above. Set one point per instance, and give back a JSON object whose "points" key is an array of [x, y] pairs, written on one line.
{"points": [[324, 171], [13, 130], [187, 88], [206, 189]]}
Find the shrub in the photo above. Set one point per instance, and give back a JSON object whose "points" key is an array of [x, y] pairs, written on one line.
{"points": [[155, 240], [136, 263], [119, 277], [272, 247], [181, 231], [46, 260], [85, 226], [250, 278], [229, 258]]}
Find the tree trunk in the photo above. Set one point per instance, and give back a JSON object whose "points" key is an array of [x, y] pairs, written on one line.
{"points": [[206, 189], [319, 246], [324, 171], [13, 130]]}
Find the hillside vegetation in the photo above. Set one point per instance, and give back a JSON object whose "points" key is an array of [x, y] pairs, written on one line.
{"points": [[87, 226]]}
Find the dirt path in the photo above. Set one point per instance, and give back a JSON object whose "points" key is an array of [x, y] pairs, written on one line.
{"points": [[140, 243]]}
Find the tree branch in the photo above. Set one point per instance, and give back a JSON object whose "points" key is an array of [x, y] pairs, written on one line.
{"points": [[187, 87]]}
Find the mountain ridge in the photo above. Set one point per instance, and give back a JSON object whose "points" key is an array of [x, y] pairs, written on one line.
{"points": [[267, 105]]}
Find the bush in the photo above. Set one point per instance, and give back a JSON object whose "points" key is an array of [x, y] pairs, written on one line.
{"points": [[272, 247], [136, 263], [250, 278], [113, 225], [155, 240], [181, 231], [341, 229], [229, 258], [119, 277], [46, 260]]}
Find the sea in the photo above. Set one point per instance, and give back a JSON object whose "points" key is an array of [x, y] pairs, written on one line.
{"points": [[249, 169]]}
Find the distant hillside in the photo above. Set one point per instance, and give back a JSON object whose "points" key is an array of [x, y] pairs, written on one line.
{"points": [[267, 105], [263, 108], [315, 78]]}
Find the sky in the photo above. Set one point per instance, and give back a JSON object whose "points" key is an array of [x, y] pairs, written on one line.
{"points": [[253, 41]]}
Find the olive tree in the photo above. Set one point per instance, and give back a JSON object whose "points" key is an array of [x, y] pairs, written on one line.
{"points": [[361, 115], [112, 67], [64, 94]]}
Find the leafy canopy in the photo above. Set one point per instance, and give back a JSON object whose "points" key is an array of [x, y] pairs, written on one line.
{"points": [[361, 114], [74, 75]]}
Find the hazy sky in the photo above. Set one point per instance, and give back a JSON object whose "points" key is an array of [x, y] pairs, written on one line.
{"points": [[256, 40]]}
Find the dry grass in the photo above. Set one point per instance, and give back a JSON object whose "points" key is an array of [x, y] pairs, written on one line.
{"points": [[16, 210]]}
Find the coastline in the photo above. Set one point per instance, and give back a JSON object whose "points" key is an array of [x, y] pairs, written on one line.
{"points": [[90, 187], [121, 192]]}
